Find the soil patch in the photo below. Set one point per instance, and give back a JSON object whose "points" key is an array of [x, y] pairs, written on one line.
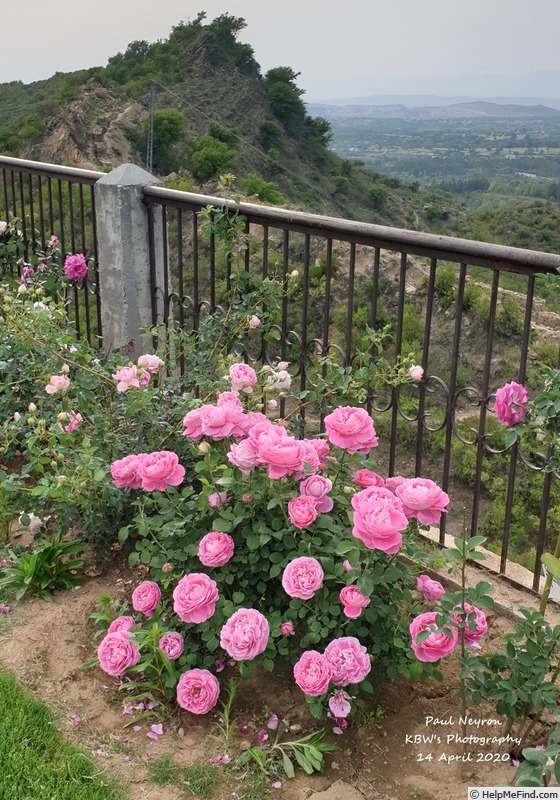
{"points": [[383, 756]]}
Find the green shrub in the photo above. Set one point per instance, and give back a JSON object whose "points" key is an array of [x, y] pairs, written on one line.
{"points": [[210, 157], [265, 190], [446, 278]]}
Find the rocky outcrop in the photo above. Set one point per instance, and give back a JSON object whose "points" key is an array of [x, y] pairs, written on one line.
{"points": [[90, 132]]}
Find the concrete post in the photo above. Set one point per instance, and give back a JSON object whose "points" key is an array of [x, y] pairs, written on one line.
{"points": [[124, 259]]}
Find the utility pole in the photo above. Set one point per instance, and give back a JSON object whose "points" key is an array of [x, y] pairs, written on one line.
{"points": [[150, 143]]}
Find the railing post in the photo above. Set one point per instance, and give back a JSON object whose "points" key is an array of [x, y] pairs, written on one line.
{"points": [[124, 258]]}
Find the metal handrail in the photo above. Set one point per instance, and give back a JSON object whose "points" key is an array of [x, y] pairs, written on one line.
{"points": [[447, 248], [88, 176]]}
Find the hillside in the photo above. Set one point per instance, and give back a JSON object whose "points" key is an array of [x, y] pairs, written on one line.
{"points": [[468, 110], [214, 112]]}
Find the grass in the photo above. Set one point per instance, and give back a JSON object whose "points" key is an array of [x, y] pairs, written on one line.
{"points": [[198, 780], [36, 763]]}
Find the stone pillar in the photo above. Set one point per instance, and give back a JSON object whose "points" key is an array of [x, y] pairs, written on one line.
{"points": [[124, 259]]}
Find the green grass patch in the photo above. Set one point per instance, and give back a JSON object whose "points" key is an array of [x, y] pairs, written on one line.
{"points": [[200, 780], [36, 763]]}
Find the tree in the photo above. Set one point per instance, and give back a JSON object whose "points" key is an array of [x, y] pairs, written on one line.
{"points": [[210, 157], [169, 129], [285, 97]]}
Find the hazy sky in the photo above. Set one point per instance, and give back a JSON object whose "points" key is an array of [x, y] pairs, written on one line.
{"points": [[341, 47]]}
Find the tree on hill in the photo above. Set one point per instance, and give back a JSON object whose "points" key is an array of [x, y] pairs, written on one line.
{"points": [[285, 97]]}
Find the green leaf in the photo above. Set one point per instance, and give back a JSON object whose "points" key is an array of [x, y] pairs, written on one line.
{"points": [[288, 766], [552, 564], [133, 559]]}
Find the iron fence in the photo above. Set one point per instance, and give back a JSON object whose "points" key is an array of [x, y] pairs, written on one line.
{"points": [[53, 200], [471, 311], [474, 313]]}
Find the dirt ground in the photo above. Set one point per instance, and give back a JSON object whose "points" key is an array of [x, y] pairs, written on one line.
{"points": [[44, 644]]}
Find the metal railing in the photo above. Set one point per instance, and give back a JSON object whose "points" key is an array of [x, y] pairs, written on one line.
{"points": [[400, 277], [53, 200], [454, 301]]}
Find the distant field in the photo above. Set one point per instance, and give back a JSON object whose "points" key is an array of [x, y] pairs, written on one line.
{"points": [[438, 150]]}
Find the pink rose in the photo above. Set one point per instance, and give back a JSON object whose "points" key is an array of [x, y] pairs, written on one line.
{"points": [[313, 673], [159, 470], [146, 597], [353, 601], [287, 628], [430, 589], [144, 379], [117, 652], [416, 372], [351, 429], [476, 624], [218, 499], [193, 423], [125, 472], [150, 363], [198, 691], [339, 705], [195, 597], [254, 321], [511, 403], [75, 267], [231, 399], [366, 478], [223, 420], [242, 377], [245, 635], [378, 519], [216, 549], [437, 645], [252, 418], [167, 567], [318, 487], [73, 421], [281, 453], [57, 383], [394, 481], [322, 448], [121, 624], [422, 499], [303, 577], [349, 660], [348, 566], [172, 644], [310, 459], [244, 455], [54, 240], [127, 378], [302, 511], [262, 427]]}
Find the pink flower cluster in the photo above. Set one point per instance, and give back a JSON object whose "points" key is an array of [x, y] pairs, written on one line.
{"points": [[150, 471], [344, 661], [137, 376], [511, 403], [264, 445], [75, 267]]}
